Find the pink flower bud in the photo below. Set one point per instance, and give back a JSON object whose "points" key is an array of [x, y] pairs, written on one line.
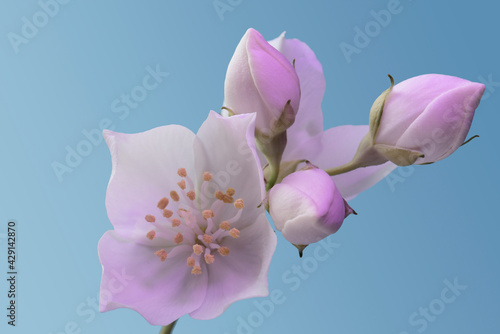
{"points": [[260, 79], [430, 115], [307, 206]]}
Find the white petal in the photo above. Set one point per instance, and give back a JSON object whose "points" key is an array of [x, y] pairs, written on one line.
{"points": [[243, 273], [135, 278], [144, 171], [225, 147], [295, 215], [309, 118]]}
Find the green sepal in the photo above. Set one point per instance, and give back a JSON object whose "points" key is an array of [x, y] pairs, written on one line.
{"points": [[377, 110], [399, 156]]}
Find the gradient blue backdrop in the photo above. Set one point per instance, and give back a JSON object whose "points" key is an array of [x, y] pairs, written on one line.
{"points": [[434, 223]]}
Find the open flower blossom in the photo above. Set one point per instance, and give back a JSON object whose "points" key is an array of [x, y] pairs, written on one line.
{"points": [[429, 115], [306, 138], [307, 206], [184, 208]]}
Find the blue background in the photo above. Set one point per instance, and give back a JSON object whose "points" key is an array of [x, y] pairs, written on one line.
{"points": [[427, 225]]}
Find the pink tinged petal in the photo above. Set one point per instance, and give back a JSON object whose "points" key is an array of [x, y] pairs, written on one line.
{"points": [[243, 273], [144, 170], [335, 147], [337, 212], [306, 207], [260, 79], [443, 125], [134, 277], [226, 148], [309, 118], [408, 100]]}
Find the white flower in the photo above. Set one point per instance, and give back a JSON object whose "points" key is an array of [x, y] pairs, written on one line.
{"points": [[186, 222]]}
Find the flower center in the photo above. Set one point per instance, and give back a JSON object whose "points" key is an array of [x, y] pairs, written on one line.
{"points": [[192, 221]]}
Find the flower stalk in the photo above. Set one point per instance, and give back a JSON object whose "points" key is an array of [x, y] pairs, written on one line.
{"points": [[169, 328]]}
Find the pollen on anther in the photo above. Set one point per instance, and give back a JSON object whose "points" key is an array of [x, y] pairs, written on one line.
{"points": [[182, 172], [225, 225], [182, 184], [219, 195], [150, 218], [176, 222], [197, 249], [196, 270], [162, 254], [230, 191], [190, 261], [239, 204], [235, 233], [151, 235], [191, 195], [162, 204], [175, 196], [208, 214], [207, 238], [224, 251], [209, 258], [207, 176], [167, 213], [178, 238], [228, 199]]}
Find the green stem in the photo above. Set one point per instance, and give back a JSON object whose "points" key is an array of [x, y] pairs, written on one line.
{"points": [[275, 170], [350, 166], [169, 328]]}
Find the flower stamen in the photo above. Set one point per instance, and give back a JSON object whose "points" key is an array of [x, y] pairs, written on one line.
{"points": [[235, 233], [151, 235], [182, 172], [239, 204], [197, 226], [207, 176], [225, 225], [162, 254], [209, 258], [191, 195], [208, 214], [224, 251], [207, 239], [162, 204], [176, 222], [182, 184], [175, 196], [197, 249], [179, 238], [167, 213], [196, 270]]}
